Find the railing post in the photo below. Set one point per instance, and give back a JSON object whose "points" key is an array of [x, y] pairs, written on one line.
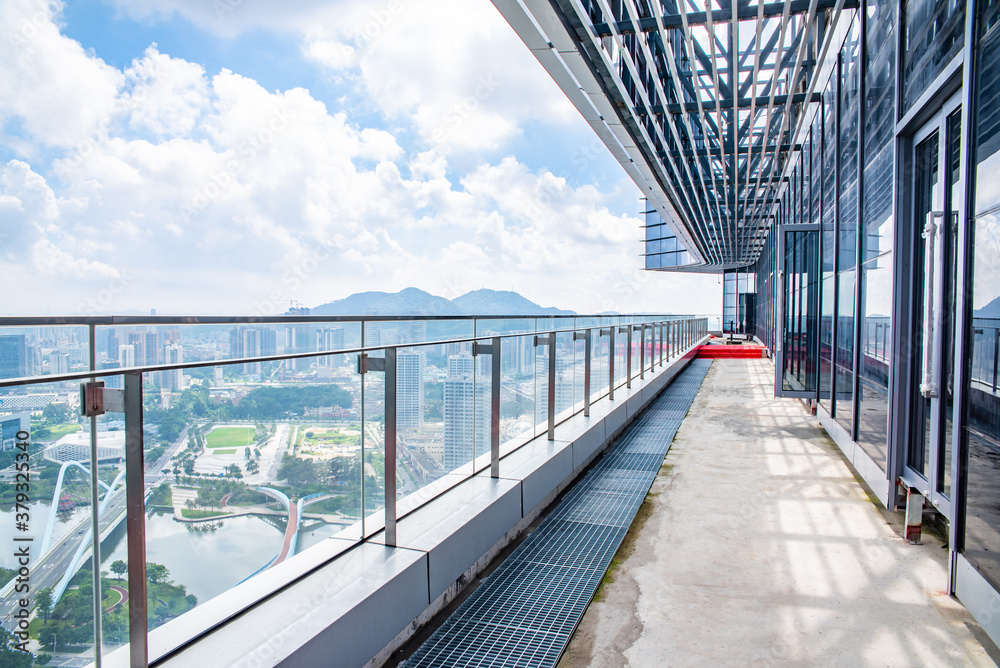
{"points": [[663, 343], [135, 507], [94, 515], [552, 386], [550, 341], [495, 411], [610, 331], [652, 347], [996, 356], [388, 365], [493, 350], [642, 349], [585, 335], [390, 447], [627, 330]]}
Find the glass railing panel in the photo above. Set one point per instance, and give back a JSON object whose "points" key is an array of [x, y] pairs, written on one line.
{"points": [[541, 372], [46, 506], [569, 383], [465, 409], [621, 346], [410, 332], [43, 351], [247, 475], [373, 448], [436, 406], [487, 327], [600, 355], [649, 342], [517, 392]]}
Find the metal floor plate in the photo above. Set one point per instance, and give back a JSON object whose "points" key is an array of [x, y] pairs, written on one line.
{"points": [[525, 612]]}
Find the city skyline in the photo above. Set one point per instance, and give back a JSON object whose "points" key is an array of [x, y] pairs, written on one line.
{"points": [[179, 158]]}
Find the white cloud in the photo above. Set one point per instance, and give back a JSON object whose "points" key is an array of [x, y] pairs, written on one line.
{"points": [[211, 194], [57, 91], [168, 94], [452, 67]]}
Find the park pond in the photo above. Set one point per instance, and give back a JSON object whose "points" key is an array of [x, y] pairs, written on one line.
{"points": [[206, 561]]}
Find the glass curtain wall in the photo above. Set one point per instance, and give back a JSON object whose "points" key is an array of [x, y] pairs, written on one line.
{"points": [[828, 125], [877, 231], [981, 432], [847, 226]]}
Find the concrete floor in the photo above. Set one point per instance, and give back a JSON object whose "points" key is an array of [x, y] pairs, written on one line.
{"points": [[758, 547]]}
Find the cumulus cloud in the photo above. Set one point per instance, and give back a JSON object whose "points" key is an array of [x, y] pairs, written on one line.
{"points": [[453, 68], [52, 87], [199, 192]]}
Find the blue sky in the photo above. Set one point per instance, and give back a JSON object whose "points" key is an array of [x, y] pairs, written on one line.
{"points": [[229, 157]]}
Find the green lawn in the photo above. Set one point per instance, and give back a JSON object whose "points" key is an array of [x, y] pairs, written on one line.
{"points": [[230, 437], [219, 451], [61, 430]]}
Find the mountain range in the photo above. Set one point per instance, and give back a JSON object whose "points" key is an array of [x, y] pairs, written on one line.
{"points": [[413, 301]]}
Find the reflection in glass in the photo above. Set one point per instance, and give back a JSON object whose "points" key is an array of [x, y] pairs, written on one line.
{"points": [[877, 232], [982, 405], [927, 199], [801, 288], [933, 34]]}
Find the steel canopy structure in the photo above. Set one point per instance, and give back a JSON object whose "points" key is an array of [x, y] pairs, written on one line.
{"points": [[701, 102]]}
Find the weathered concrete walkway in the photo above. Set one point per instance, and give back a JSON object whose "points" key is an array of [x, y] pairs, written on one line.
{"points": [[758, 547]]}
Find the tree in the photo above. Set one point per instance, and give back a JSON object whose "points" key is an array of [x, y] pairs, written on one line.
{"points": [[119, 568], [298, 471], [246, 452], [44, 603], [56, 413], [157, 573], [10, 655]]}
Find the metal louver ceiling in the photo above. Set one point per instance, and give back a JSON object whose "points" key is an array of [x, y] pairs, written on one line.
{"points": [[699, 100]]}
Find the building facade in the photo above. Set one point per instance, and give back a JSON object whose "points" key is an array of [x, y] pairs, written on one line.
{"points": [[837, 162], [410, 366], [13, 362], [466, 412]]}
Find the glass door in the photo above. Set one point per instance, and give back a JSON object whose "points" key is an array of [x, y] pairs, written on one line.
{"points": [[936, 158], [797, 348]]}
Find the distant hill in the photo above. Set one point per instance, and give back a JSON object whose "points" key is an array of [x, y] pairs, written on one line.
{"points": [[412, 301], [493, 302], [409, 301], [991, 310]]}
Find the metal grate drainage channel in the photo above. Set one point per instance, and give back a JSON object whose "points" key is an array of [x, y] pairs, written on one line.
{"points": [[525, 612]]}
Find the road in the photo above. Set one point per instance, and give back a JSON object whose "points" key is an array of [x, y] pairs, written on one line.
{"points": [[48, 571]]}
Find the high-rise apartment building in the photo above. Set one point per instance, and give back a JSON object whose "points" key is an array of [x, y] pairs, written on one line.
{"points": [[331, 338], [410, 366], [13, 362], [59, 362], [126, 355], [252, 342], [172, 379], [466, 412]]}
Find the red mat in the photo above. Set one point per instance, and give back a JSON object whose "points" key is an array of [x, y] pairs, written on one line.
{"points": [[730, 352]]}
